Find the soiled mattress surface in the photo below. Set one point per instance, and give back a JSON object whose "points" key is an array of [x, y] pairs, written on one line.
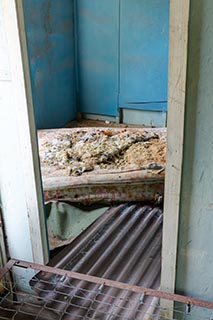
{"points": [[102, 164]]}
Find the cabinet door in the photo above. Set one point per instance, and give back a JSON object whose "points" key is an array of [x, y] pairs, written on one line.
{"points": [[97, 52], [144, 29]]}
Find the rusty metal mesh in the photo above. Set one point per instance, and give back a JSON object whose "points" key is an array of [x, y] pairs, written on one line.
{"points": [[58, 296]]}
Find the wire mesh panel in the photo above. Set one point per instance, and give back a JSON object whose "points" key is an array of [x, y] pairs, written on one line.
{"points": [[60, 295]]}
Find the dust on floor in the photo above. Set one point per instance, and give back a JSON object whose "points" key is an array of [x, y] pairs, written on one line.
{"points": [[82, 123]]}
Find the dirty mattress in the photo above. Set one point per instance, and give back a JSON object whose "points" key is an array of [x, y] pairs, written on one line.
{"points": [[90, 165]]}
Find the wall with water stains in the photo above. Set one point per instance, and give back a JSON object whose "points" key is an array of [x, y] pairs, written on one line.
{"points": [[50, 37], [121, 51], [195, 253]]}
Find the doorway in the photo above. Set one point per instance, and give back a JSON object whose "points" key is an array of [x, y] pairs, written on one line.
{"points": [[106, 81], [118, 56], [181, 65]]}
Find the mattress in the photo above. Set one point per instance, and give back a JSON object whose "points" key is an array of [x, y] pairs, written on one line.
{"points": [[102, 165]]}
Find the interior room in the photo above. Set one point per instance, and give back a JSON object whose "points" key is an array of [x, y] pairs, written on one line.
{"points": [[105, 201]]}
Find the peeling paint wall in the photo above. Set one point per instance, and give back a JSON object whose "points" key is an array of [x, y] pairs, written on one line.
{"points": [[50, 37], [111, 55], [195, 252]]}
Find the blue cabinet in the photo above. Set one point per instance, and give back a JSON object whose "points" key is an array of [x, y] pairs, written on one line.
{"points": [[144, 32], [122, 55]]}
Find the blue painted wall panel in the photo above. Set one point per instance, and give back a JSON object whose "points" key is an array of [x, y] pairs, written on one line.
{"points": [[98, 54], [121, 46], [122, 49], [144, 54], [50, 40]]}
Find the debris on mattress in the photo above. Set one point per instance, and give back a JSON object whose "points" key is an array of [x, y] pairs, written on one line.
{"points": [[85, 150]]}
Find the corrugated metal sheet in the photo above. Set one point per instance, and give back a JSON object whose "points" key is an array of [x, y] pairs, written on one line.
{"points": [[124, 244]]}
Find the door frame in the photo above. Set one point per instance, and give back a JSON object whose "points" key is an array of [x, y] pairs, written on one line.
{"points": [[178, 50], [179, 17], [20, 183]]}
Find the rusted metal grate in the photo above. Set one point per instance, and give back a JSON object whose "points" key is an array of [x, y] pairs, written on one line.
{"points": [[58, 294]]}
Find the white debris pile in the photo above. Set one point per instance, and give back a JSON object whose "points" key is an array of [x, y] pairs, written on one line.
{"points": [[90, 149]]}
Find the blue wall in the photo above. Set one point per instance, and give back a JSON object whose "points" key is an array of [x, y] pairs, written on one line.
{"points": [[50, 40], [98, 55], [119, 49]]}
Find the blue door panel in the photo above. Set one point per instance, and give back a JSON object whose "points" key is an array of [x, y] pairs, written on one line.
{"points": [[144, 54], [50, 41], [97, 51]]}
